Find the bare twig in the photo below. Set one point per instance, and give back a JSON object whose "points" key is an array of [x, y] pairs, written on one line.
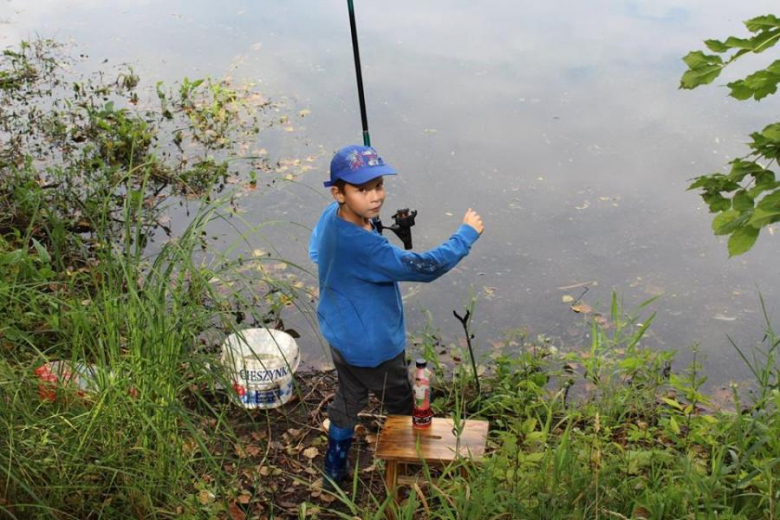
{"points": [[464, 320]]}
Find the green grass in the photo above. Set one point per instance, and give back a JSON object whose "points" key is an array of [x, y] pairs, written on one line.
{"points": [[132, 443], [633, 440], [84, 181]]}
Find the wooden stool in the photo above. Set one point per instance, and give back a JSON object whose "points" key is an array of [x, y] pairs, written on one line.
{"points": [[400, 443]]}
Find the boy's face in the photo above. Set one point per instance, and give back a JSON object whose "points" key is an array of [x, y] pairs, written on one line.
{"points": [[360, 203]]}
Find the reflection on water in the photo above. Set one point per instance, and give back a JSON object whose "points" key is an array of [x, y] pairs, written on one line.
{"points": [[561, 122]]}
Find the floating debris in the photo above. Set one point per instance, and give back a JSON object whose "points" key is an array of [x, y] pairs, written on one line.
{"points": [[583, 308]]}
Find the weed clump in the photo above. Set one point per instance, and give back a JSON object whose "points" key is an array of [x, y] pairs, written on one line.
{"points": [[85, 179]]}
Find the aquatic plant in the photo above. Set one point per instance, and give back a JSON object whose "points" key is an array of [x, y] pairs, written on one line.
{"points": [[81, 145]]}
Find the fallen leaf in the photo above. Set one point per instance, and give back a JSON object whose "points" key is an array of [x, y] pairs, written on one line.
{"points": [[325, 426], [206, 497], [310, 453], [304, 113], [236, 513], [292, 450], [582, 308], [244, 498], [253, 450], [567, 298]]}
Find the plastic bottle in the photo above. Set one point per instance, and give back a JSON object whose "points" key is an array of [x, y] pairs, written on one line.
{"points": [[422, 415]]}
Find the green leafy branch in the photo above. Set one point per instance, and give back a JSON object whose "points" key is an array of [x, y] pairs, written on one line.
{"points": [[748, 197]]}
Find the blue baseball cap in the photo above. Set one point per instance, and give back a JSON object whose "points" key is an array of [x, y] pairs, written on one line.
{"points": [[357, 164]]}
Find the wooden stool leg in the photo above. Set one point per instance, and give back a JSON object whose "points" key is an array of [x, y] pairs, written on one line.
{"points": [[391, 477], [391, 481]]}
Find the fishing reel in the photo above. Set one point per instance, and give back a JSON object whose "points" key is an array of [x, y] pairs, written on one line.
{"points": [[404, 220]]}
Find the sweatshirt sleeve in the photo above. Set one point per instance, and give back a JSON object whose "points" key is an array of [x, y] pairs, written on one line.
{"points": [[387, 263], [314, 242]]}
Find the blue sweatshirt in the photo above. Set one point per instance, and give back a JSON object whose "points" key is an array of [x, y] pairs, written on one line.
{"points": [[360, 310]]}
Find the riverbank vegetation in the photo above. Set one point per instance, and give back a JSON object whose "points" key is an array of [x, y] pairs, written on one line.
{"points": [[605, 429]]}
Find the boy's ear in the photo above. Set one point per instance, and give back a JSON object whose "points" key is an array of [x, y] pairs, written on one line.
{"points": [[337, 194]]}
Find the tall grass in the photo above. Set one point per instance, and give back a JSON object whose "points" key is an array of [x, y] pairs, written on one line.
{"points": [[633, 440], [85, 176], [130, 444]]}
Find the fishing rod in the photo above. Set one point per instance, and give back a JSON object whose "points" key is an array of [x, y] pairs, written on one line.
{"points": [[359, 74], [403, 218]]}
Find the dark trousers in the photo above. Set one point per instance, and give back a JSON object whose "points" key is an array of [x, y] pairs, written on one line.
{"points": [[389, 382]]}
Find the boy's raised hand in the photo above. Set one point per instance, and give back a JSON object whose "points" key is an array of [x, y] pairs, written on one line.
{"points": [[473, 219]]}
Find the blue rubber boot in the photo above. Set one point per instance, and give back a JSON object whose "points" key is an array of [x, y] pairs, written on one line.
{"points": [[339, 442]]}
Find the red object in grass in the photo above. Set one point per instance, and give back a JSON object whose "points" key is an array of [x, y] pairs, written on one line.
{"points": [[47, 387], [240, 390]]}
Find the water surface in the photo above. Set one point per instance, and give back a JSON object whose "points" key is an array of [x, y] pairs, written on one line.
{"points": [[561, 122]]}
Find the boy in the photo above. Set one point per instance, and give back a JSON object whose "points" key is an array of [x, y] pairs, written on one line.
{"points": [[360, 310]]}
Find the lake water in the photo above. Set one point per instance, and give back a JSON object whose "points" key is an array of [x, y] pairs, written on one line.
{"points": [[560, 122]]}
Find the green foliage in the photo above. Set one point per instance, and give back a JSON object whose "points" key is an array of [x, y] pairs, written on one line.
{"points": [[84, 146], [634, 439], [748, 197], [135, 440], [84, 178]]}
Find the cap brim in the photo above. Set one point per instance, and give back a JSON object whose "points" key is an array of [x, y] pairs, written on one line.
{"points": [[365, 174]]}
